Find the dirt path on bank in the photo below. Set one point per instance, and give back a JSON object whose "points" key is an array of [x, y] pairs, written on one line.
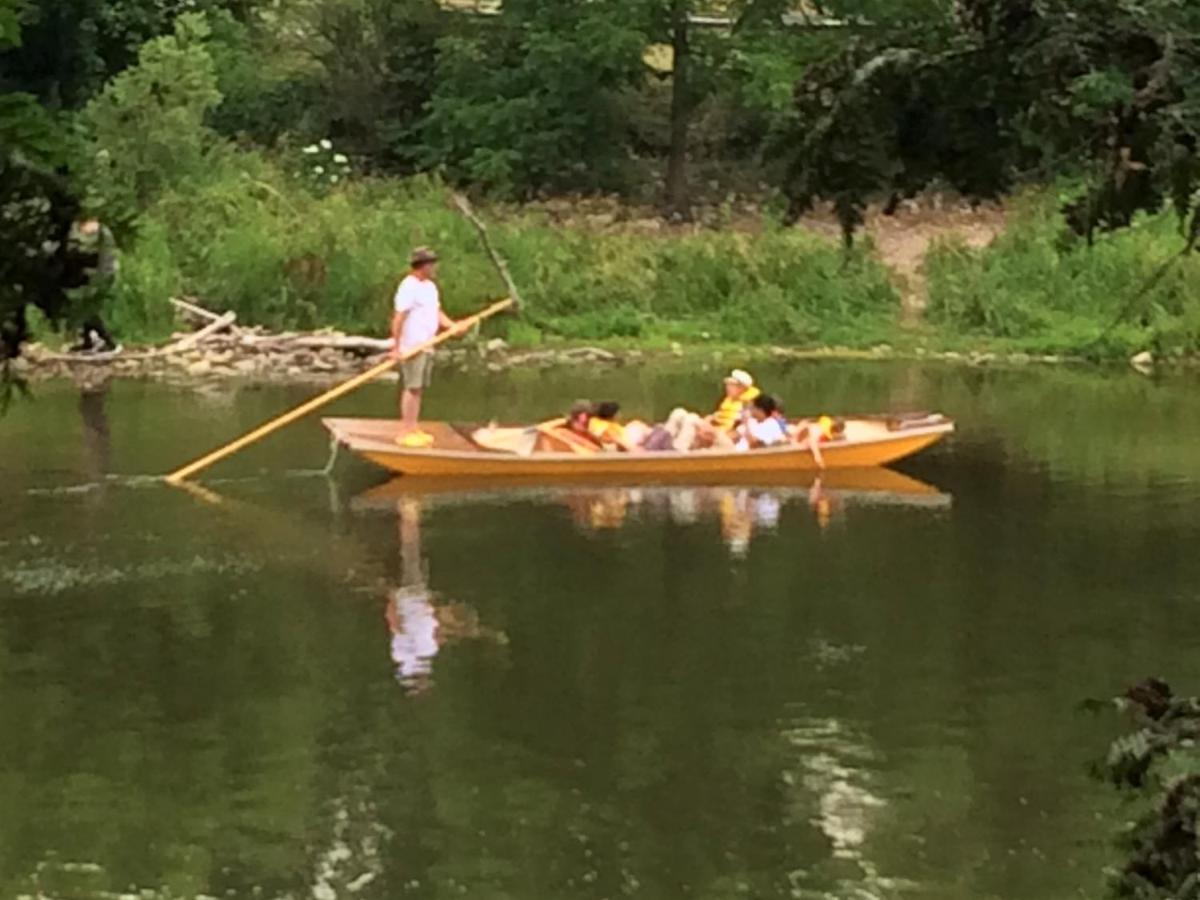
{"points": [[902, 240]]}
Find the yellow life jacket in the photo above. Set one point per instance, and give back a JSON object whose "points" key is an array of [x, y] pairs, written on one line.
{"points": [[729, 411], [607, 431]]}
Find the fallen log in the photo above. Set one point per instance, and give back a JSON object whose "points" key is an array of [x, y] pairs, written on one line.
{"points": [[193, 309], [196, 337]]}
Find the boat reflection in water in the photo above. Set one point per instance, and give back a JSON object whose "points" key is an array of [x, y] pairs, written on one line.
{"points": [[419, 622], [742, 510]]}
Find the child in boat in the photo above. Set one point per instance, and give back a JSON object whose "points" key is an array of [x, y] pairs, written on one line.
{"points": [[811, 433], [611, 434], [764, 427]]}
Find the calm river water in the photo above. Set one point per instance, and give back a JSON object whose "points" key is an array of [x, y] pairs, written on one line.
{"points": [[337, 688]]}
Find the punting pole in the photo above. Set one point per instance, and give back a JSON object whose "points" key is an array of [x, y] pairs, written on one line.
{"points": [[178, 476]]}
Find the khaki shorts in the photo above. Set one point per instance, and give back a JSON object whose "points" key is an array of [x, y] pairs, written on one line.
{"points": [[417, 373]]}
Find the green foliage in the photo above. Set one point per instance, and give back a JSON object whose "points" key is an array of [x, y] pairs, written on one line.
{"points": [[268, 87], [376, 61], [147, 129], [249, 238], [38, 266], [1001, 88], [1158, 760], [70, 48], [11, 12], [530, 102], [1027, 289]]}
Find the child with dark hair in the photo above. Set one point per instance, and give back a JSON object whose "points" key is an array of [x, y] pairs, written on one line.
{"points": [[604, 426], [764, 427]]}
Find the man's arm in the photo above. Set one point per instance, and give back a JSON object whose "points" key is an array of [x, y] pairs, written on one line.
{"points": [[446, 323], [397, 326]]}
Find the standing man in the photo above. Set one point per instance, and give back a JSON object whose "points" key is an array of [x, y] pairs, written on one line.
{"points": [[417, 319]]}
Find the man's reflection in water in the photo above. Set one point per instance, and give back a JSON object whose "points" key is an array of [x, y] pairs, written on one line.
{"points": [[420, 626], [97, 447], [410, 613]]}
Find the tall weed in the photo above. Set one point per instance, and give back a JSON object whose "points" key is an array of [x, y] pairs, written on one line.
{"points": [[1030, 290], [248, 237]]}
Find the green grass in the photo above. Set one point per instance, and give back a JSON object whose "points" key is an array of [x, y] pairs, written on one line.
{"points": [[1033, 291], [250, 239]]}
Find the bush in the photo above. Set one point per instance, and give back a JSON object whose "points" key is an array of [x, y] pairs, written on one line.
{"points": [[250, 238], [147, 129], [1028, 289]]}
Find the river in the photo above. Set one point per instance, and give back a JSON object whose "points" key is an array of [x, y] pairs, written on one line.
{"points": [[307, 687]]}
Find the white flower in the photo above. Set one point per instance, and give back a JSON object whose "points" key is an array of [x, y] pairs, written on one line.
{"points": [[340, 159], [333, 179], [311, 148], [319, 170], [326, 144]]}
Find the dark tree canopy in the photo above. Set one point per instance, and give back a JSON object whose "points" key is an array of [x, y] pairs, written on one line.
{"points": [[997, 91]]}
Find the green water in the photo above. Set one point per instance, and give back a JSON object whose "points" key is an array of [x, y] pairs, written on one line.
{"points": [[323, 689]]}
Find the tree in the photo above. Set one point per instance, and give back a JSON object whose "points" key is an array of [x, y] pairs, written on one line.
{"points": [[70, 48], [702, 61], [378, 60], [530, 100], [992, 91], [37, 207], [147, 130]]}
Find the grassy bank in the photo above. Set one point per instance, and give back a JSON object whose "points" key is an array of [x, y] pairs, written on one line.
{"points": [[246, 236], [1033, 290], [253, 240]]}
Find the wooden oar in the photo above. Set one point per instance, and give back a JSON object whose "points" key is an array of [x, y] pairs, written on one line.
{"points": [[340, 391]]}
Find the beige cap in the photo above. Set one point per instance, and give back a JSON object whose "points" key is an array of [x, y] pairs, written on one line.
{"points": [[740, 376]]}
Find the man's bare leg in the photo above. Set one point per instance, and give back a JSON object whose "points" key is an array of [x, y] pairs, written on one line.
{"points": [[410, 410]]}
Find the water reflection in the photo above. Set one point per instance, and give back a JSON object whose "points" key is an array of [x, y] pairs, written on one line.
{"points": [[97, 442], [830, 782], [742, 511], [420, 623]]}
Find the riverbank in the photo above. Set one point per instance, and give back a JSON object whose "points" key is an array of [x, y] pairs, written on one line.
{"points": [[317, 358], [935, 278]]}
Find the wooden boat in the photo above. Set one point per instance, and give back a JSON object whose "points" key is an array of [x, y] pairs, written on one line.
{"points": [[457, 451]]}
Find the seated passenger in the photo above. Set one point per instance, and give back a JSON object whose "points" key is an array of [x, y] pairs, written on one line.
{"points": [[605, 428], [571, 434], [740, 391], [690, 431], [811, 433], [764, 427]]}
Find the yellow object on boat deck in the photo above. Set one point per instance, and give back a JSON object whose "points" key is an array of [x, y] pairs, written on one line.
{"points": [[415, 439]]}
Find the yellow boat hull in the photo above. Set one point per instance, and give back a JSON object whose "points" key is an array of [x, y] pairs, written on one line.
{"points": [[868, 443]]}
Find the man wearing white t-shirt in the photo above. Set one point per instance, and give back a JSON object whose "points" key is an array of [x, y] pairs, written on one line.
{"points": [[417, 319]]}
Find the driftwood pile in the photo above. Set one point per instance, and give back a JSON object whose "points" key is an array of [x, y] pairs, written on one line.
{"points": [[217, 347]]}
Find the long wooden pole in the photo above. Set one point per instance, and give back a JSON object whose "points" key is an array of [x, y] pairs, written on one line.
{"points": [[340, 391]]}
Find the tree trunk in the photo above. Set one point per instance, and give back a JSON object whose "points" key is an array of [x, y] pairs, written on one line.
{"points": [[681, 112]]}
